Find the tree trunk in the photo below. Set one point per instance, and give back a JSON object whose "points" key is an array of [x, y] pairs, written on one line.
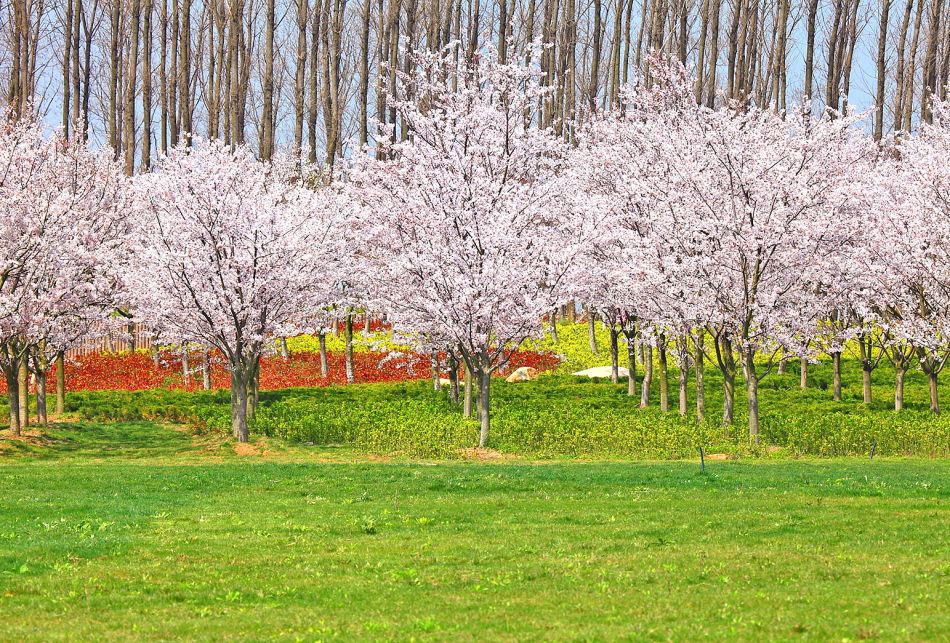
{"points": [[866, 380], [752, 390], [254, 388], [554, 337], [453, 378], [284, 351], [591, 331], [185, 367], [60, 383], [899, 374], [23, 386], [348, 338], [206, 371], [647, 376], [803, 373], [467, 400], [700, 376], [614, 353], [324, 367], [664, 376], [434, 361], [484, 390], [239, 404], [683, 379], [631, 366], [934, 392], [836, 382], [41, 411], [13, 399]]}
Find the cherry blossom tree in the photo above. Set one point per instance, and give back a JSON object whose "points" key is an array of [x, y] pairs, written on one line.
{"points": [[62, 230], [465, 226], [733, 211], [910, 224], [229, 254]]}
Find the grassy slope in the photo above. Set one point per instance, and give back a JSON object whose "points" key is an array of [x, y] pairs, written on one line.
{"points": [[137, 531]]}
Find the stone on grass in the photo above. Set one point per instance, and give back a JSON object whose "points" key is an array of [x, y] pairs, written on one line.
{"points": [[602, 371], [523, 374]]}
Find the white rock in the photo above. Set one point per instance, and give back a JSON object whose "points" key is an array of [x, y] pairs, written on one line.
{"points": [[602, 371]]}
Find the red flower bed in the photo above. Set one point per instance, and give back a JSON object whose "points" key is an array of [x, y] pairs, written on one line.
{"points": [[138, 371]]}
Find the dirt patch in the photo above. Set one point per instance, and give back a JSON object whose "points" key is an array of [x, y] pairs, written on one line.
{"points": [[487, 455], [29, 436], [721, 456], [246, 448]]}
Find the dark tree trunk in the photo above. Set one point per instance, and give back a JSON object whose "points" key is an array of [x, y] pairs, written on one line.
{"points": [[453, 366]]}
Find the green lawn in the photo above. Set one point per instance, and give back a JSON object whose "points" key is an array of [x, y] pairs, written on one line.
{"points": [[139, 531]]}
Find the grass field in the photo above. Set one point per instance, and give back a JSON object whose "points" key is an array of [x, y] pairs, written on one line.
{"points": [[139, 531]]}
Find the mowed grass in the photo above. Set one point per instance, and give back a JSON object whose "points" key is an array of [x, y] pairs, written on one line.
{"points": [[138, 531]]}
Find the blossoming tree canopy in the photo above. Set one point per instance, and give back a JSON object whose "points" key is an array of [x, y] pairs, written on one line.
{"points": [[464, 222], [62, 236], [736, 210], [910, 258], [227, 254]]}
